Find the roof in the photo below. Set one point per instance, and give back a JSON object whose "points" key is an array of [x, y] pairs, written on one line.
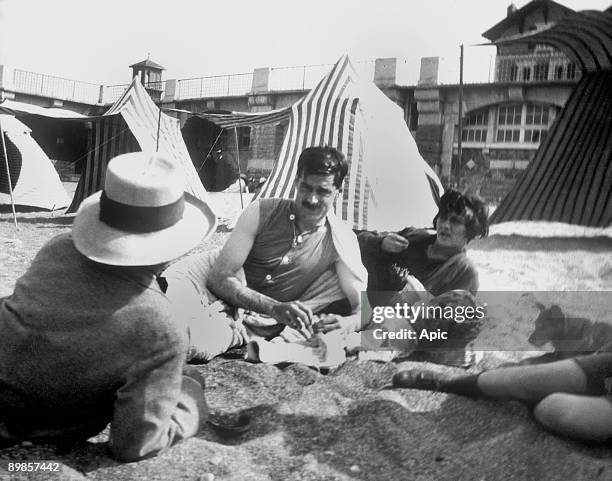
{"points": [[519, 15], [12, 107], [148, 63], [585, 37]]}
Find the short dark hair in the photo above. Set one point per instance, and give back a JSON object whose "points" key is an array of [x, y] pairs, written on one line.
{"points": [[323, 161], [472, 207]]}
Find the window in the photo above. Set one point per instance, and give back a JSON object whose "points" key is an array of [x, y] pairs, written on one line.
{"points": [[475, 127], [244, 138], [514, 72], [540, 71], [509, 122], [526, 123], [526, 73], [571, 71], [559, 72], [536, 121]]}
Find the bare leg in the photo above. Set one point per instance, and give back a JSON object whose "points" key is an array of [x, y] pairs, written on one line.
{"points": [[580, 417], [525, 383], [532, 383]]}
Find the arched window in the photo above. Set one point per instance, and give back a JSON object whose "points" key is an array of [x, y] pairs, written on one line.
{"points": [[540, 71], [514, 72], [526, 73], [559, 71]]}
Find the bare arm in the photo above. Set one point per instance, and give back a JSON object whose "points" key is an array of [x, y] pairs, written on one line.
{"points": [[224, 281], [350, 285], [352, 288]]}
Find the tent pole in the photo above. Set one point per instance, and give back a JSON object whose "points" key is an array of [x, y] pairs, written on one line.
{"points": [[211, 149], [239, 173], [459, 137], [8, 174], [158, 125]]}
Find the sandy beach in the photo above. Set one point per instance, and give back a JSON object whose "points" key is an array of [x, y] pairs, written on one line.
{"points": [[341, 426]]}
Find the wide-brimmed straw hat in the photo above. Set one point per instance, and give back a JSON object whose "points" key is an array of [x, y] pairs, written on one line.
{"points": [[143, 216]]}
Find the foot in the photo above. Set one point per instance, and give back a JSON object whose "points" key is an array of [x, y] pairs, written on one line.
{"points": [[417, 379]]}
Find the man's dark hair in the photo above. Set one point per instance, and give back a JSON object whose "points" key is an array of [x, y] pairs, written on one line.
{"points": [[323, 161], [472, 207]]}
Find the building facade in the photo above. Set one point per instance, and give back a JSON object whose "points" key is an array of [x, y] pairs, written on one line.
{"points": [[502, 125]]}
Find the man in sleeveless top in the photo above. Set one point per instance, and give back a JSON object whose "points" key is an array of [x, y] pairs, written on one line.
{"points": [[289, 266]]}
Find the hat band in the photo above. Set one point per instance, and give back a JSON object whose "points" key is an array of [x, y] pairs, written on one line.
{"points": [[133, 218]]}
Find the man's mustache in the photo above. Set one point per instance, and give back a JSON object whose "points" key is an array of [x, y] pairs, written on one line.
{"points": [[310, 206]]}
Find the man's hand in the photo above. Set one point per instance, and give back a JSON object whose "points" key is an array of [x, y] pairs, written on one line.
{"points": [[326, 323], [296, 315], [394, 243], [332, 322]]}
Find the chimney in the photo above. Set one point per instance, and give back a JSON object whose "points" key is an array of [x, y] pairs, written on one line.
{"points": [[511, 10]]}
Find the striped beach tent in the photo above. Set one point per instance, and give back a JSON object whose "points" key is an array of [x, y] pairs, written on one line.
{"points": [[388, 186], [569, 179], [133, 123]]}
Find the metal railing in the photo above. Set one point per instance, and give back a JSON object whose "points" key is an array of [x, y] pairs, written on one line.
{"points": [[544, 66], [112, 93], [305, 77], [55, 87], [215, 86]]}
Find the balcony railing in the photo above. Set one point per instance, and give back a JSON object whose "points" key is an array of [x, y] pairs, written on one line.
{"points": [[55, 87], [538, 67], [305, 77], [112, 93], [215, 86], [543, 67]]}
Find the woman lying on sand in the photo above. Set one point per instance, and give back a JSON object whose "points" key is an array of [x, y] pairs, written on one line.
{"points": [[571, 397]]}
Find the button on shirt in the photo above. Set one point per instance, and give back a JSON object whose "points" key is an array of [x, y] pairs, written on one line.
{"points": [[266, 269]]}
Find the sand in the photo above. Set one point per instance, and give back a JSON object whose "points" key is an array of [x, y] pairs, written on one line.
{"points": [[341, 426]]}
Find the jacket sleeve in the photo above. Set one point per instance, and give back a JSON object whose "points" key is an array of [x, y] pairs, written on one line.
{"points": [[370, 242], [159, 404]]}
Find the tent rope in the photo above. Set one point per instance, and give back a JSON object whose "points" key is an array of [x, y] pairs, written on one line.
{"points": [[99, 146], [208, 154]]}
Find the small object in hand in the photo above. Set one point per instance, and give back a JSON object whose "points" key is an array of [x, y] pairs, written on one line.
{"points": [[416, 379], [229, 426], [319, 346]]}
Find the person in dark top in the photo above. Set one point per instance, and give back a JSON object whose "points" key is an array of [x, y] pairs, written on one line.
{"points": [[420, 266], [436, 259], [89, 338]]}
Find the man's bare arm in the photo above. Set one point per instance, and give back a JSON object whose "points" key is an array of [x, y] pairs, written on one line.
{"points": [[224, 280], [225, 283], [350, 285]]}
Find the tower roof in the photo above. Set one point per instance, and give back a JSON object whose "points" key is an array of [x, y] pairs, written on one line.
{"points": [[148, 63]]}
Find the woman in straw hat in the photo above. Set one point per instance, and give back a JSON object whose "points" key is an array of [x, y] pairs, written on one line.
{"points": [[88, 336]]}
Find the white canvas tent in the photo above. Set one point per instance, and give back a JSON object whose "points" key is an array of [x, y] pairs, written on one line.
{"points": [[34, 180], [389, 186], [132, 123]]}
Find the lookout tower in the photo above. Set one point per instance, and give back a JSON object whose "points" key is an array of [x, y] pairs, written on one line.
{"points": [[150, 75]]}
